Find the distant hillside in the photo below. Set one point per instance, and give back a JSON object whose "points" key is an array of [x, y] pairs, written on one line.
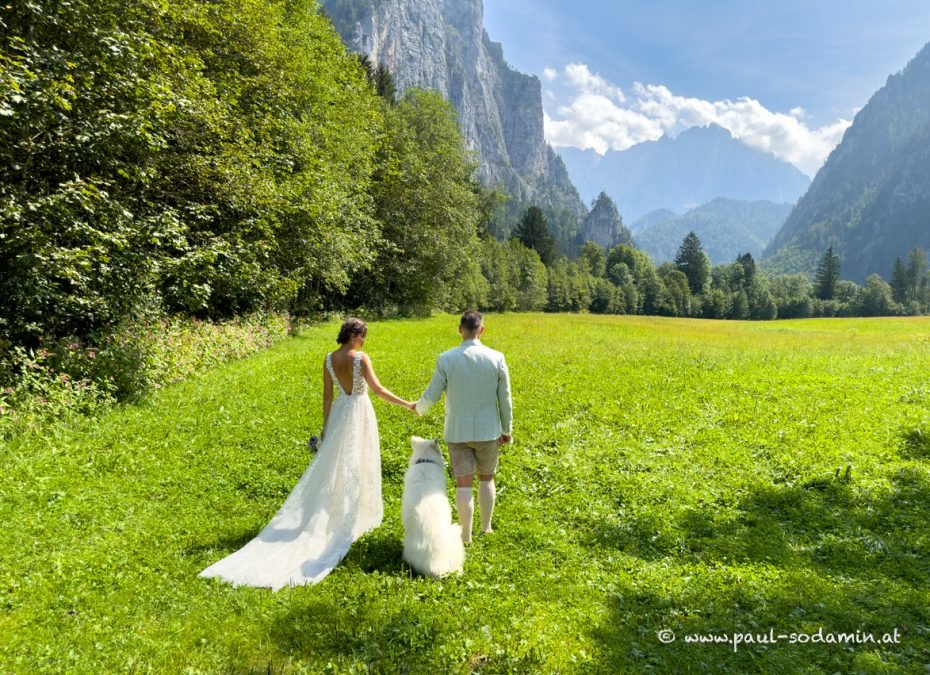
{"points": [[701, 164], [652, 218], [871, 200], [726, 228]]}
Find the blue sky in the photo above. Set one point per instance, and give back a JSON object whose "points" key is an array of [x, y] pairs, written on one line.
{"points": [[785, 76]]}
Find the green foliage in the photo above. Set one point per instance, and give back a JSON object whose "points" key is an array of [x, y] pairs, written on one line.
{"points": [[69, 379], [828, 273], [211, 158], [877, 299], [427, 202], [533, 232], [792, 293], [380, 78], [666, 474], [693, 262], [515, 275]]}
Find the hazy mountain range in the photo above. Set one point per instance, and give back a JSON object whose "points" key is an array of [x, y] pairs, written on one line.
{"points": [[698, 166], [726, 228]]}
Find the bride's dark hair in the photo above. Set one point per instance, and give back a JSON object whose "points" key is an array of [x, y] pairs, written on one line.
{"points": [[350, 328]]}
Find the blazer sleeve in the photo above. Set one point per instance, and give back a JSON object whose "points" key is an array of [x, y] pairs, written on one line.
{"points": [[434, 392], [504, 403]]}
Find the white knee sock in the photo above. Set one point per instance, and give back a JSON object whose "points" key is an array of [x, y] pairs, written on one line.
{"points": [[486, 495], [466, 508]]}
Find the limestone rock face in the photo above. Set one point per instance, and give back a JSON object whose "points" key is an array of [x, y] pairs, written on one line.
{"points": [[604, 226], [442, 45]]}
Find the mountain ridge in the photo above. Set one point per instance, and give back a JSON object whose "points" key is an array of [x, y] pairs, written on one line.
{"points": [[694, 168], [870, 199], [726, 228]]}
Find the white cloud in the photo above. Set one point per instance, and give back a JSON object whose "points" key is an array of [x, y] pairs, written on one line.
{"points": [[550, 74], [582, 79], [599, 116]]}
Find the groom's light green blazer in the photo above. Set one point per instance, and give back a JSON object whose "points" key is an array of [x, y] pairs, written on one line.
{"points": [[477, 387]]}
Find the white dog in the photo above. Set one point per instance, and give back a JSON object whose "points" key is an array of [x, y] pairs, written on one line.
{"points": [[432, 542]]}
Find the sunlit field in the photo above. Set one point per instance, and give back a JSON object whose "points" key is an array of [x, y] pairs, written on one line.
{"points": [[669, 479]]}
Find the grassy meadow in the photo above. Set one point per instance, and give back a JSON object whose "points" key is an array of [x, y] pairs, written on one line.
{"points": [[667, 474]]}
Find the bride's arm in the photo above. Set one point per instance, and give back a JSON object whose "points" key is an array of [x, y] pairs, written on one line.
{"points": [[327, 396], [368, 372]]}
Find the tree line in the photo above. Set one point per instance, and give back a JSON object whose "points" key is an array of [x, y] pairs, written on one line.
{"points": [[624, 280]]}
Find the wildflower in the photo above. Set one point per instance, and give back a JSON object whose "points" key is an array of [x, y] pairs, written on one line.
{"points": [[91, 354], [64, 377]]}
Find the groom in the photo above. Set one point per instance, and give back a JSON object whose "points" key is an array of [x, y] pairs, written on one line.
{"points": [[478, 417]]}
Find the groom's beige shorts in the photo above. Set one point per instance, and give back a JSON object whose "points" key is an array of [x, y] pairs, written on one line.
{"points": [[474, 457]]}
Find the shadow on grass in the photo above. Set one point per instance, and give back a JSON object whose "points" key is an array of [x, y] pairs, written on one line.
{"points": [[223, 546], [378, 551], [915, 443], [791, 558]]}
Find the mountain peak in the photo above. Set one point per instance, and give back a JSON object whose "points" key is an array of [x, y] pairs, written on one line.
{"points": [[712, 130], [701, 164]]}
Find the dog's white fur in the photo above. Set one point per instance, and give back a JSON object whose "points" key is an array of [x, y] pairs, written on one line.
{"points": [[432, 542]]}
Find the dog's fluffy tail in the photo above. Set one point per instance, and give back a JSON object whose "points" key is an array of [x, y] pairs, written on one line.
{"points": [[438, 555]]}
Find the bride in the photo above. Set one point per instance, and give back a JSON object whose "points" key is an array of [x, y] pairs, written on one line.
{"points": [[338, 498]]}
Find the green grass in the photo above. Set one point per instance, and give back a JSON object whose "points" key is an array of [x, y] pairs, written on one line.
{"points": [[678, 474]]}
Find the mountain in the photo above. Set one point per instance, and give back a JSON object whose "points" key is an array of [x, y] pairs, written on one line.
{"points": [[442, 45], [726, 228], [604, 226], [699, 165], [871, 199], [652, 218]]}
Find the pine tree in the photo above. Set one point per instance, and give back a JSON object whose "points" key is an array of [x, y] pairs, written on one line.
{"points": [[692, 260], [749, 267], [916, 267], [533, 231], [828, 273], [899, 281]]}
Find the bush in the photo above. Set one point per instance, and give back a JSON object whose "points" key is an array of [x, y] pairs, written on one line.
{"points": [[70, 378]]}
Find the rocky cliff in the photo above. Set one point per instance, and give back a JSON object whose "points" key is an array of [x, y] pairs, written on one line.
{"points": [[604, 226], [442, 45]]}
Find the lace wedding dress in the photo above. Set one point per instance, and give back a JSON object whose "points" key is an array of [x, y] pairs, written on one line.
{"points": [[337, 499]]}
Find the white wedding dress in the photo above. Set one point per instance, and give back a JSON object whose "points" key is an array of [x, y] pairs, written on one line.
{"points": [[337, 499]]}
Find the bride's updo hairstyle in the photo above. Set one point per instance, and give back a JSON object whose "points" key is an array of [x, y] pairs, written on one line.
{"points": [[350, 329]]}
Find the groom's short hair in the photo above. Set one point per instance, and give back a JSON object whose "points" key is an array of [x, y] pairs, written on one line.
{"points": [[471, 321]]}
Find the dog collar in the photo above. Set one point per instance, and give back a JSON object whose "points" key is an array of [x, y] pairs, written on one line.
{"points": [[424, 460]]}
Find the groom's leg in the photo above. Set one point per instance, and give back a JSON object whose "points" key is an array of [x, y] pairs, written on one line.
{"points": [[462, 459], [465, 504], [486, 459], [486, 496]]}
